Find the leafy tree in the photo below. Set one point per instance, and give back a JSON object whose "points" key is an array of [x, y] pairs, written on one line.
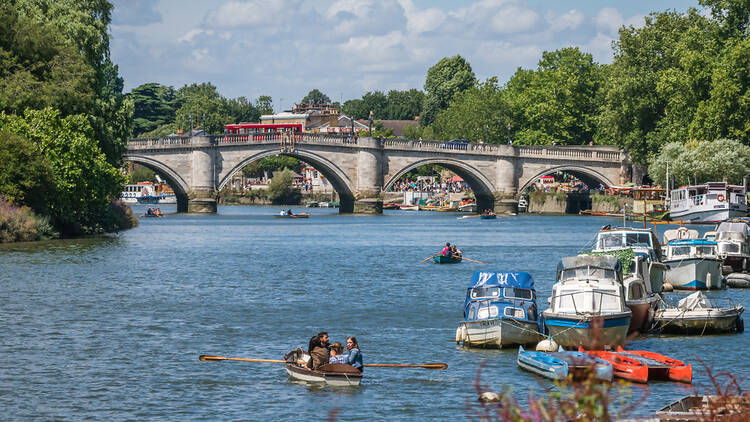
{"points": [[241, 110], [479, 112], [141, 174], [84, 182], [404, 105], [154, 105], [733, 15], [280, 189], [278, 162], [25, 175], [315, 97], [201, 105], [702, 161], [444, 80], [264, 104], [556, 103], [356, 108]]}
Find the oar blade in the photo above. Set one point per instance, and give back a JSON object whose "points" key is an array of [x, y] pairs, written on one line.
{"points": [[210, 358], [441, 366]]}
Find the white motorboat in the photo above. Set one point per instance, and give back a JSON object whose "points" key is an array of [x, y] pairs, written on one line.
{"points": [[733, 240], [587, 307], [472, 207], [697, 314], [738, 280], [499, 311], [708, 203], [639, 240], [693, 265], [639, 297]]}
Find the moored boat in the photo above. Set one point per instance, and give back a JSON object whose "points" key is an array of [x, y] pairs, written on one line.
{"points": [[409, 207], [587, 307], [697, 314], [733, 244], [391, 206], [561, 364], [708, 203], [738, 280], [639, 240], [623, 366], [469, 207], [699, 408], [693, 265], [440, 259], [660, 366], [499, 311]]}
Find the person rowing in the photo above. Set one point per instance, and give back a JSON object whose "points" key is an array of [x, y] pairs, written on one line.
{"points": [[447, 251]]}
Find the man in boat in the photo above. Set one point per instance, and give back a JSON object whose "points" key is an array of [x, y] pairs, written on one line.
{"points": [[447, 250], [455, 252], [289, 212], [282, 213], [318, 350]]}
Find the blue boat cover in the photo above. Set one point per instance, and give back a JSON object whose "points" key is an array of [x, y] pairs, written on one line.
{"points": [[691, 242], [521, 280]]}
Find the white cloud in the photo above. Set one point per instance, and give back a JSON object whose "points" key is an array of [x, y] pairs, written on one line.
{"points": [[609, 20], [236, 14], [190, 35], [419, 21], [570, 20]]}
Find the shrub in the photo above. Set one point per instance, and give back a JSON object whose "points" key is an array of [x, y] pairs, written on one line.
{"points": [[20, 224], [280, 189]]}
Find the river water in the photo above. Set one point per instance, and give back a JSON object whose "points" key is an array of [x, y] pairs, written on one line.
{"points": [[111, 328]]}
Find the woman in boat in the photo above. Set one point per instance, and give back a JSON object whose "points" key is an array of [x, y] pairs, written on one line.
{"points": [[455, 252], [337, 356], [446, 250], [354, 358]]}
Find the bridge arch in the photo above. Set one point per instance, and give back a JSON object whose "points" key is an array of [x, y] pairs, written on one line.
{"points": [[577, 170], [175, 181], [484, 189], [338, 179]]}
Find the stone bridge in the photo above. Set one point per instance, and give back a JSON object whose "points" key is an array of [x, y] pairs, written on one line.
{"points": [[359, 169]]}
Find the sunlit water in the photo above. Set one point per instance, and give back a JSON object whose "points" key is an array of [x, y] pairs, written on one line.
{"points": [[111, 328]]}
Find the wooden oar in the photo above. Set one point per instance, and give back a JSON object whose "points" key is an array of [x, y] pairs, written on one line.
{"points": [[471, 260], [209, 358], [470, 216], [425, 366], [430, 257]]}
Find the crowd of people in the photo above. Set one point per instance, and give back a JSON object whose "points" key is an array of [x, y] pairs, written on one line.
{"points": [[432, 186], [321, 352]]}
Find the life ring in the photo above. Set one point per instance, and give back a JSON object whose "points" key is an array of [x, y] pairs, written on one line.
{"points": [[682, 232], [720, 197]]}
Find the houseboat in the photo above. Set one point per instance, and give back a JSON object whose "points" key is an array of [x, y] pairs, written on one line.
{"points": [[640, 241], [639, 298], [693, 265], [708, 203], [500, 310], [733, 245], [587, 307]]}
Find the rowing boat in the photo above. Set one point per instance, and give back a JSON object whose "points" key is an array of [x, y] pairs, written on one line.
{"points": [[488, 216], [300, 215], [660, 366], [623, 366], [335, 374], [561, 364], [440, 259]]}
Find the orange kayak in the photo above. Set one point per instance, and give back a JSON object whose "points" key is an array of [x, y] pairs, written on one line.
{"points": [[623, 366], [660, 366]]}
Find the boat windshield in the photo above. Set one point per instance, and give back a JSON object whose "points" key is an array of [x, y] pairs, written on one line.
{"points": [[638, 239], [731, 236], [680, 250], [705, 250], [515, 293], [591, 300], [485, 291], [618, 240], [587, 273]]}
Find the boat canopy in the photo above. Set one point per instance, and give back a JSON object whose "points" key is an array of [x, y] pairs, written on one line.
{"points": [[520, 280], [607, 262], [733, 226], [692, 242]]}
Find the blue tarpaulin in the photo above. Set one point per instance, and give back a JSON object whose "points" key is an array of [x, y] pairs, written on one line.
{"points": [[502, 279]]}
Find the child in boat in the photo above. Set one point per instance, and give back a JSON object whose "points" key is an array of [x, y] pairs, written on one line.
{"points": [[337, 356], [447, 250]]}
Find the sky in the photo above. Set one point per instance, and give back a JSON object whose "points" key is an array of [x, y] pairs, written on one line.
{"points": [[345, 48]]}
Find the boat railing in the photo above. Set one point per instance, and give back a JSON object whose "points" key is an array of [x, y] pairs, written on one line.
{"points": [[593, 294], [720, 303]]}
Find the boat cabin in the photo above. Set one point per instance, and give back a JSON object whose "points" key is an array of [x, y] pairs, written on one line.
{"points": [[694, 248], [501, 295], [609, 239], [588, 284]]}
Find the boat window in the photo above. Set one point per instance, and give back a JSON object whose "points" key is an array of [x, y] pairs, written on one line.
{"points": [[610, 240], [514, 312], [731, 236], [571, 301], [704, 250], [642, 239], [729, 248], [485, 291], [605, 300], [487, 312], [471, 313], [588, 273], [636, 291], [512, 292], [680, 250]]}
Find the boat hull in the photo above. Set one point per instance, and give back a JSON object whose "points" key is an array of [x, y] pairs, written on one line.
{"points": [[468, 208], [695, 274], [706, 216], [587, 331], [706, 320], [446, 259], [350, 377], [738, 280], [488, 217], [409, 207], [498, 333], [643, 311], [542, 364]]}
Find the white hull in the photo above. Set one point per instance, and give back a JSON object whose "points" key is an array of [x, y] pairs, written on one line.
{"points": [[700, 321], [496, 332], [695, 273], [706, 216], [337, 380]]}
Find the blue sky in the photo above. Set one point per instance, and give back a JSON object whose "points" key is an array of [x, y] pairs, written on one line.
{"points": [[285, 48]]}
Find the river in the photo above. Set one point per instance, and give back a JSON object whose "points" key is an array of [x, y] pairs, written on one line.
{"points": [[110, 328]]}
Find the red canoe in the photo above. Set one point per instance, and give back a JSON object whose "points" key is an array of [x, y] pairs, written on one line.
{"points": [[623, 366], [660, 366]]}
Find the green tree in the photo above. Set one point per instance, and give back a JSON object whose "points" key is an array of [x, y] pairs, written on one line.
{"points": [[154, 105], [446, 78], [241, 110], [479, 112], [202, 105], [315, 97], [404, 105], [264, 104], [278, 162], [701, 161], [141, 174], [25, 175], [733, 15], [280, 188]]}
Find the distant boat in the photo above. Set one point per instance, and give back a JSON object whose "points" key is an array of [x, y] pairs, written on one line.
{"points": [[409, 207], [391, 206], [300, 215], [471, 207], [334, 374], [488, 216], [312, 204], [708, 203], [440, 259]]}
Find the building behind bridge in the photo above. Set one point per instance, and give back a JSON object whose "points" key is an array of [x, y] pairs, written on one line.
{"points": [[316, 118]]}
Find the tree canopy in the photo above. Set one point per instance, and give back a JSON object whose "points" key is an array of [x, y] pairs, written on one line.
{"points": [[701, 161], [315, 97], [446, 78]]}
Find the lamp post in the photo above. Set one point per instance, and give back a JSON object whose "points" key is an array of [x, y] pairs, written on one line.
{"points": [[369, 122], [509, 141]]}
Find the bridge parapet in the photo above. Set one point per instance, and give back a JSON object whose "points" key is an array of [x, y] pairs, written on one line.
{"points": [[599, 153]]}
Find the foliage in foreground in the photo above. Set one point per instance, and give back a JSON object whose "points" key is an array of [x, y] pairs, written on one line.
{"points": [[20, 224]]}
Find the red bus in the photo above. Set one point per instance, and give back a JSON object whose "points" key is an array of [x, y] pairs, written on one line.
{"points": [[260, 128]]}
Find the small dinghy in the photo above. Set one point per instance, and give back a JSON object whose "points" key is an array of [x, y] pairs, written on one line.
{"points": [[440, 259], [661, 367], [738, 280], [697, 314], [561, 364], [488, 216], [335, 374], [300, 215], [623, 366], [698, 408]]}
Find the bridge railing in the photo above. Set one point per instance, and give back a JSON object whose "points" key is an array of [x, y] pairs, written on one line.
{"points": [[402, 143], [567, 152], [163, 141]]}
